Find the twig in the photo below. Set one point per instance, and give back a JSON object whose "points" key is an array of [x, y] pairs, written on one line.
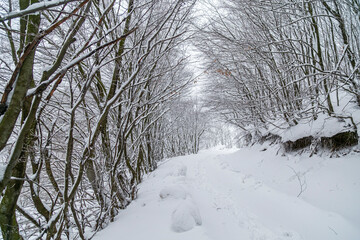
{"points": [[302, 184]]}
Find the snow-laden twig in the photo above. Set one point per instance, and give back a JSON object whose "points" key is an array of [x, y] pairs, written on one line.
{"points": [[33, 8]]}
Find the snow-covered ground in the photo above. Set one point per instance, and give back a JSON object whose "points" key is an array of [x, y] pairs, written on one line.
{"points": [[241, 194]]}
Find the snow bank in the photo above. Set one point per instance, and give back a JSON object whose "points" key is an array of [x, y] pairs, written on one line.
{"points": [[323, 126]]}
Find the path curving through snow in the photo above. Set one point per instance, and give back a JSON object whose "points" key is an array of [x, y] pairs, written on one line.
{"points": [[244, 194]]}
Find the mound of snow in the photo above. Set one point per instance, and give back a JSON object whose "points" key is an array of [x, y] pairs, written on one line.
{"points": [[185, 217], [175, 191]]}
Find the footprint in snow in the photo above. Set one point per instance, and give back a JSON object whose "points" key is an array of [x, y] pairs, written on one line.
{"points": [[224, 165], [291, 235], [182, 171], [175, 191]]}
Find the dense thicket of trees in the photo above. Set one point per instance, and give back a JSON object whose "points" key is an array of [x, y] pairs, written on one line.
{"points": [[87, 89], [273, 63], [188, 121]]}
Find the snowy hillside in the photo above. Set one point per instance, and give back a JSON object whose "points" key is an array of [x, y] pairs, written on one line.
{"points": [[249, 193]]}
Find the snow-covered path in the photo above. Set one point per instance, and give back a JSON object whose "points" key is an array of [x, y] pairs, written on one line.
{"points": [[244, 194]]}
